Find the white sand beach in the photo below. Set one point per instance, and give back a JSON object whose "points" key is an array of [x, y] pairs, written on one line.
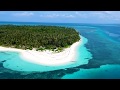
{"points": [[47, 58]]}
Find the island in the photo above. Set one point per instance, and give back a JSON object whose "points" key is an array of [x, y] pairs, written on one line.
{"points": [[45, 45]]}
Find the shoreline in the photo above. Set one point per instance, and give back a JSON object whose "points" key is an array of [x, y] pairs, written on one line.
{"points": [[47, 58]]}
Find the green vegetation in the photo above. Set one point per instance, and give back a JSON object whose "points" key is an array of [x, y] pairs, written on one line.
{"points": [[54, 38]]}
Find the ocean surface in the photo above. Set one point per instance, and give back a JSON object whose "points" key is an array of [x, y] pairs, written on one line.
{"points": [[98, 57]]}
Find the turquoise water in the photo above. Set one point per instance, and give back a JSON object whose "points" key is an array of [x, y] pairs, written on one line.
{"points": [[104, 44], [104, 72], [97, 58], [15, 62]]}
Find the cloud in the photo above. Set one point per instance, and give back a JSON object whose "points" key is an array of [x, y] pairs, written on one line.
{"points": [[73, 16], [24, 14], [49, 15], [113, 15], [107, 12], [103, 15], [81, 14], [54, 15], [98, 15], [69, 16]]}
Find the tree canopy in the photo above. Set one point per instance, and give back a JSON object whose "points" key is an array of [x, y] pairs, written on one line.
{"points": [[39, 37]]}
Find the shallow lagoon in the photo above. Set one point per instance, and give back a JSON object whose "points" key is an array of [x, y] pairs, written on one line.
{"points": [[13, 61]]}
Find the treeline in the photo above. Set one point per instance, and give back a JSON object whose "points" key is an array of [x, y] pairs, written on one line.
{"points": [[39, 37]]}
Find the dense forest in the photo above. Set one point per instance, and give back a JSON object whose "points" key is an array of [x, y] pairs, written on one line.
{"points": [[38, 37]]}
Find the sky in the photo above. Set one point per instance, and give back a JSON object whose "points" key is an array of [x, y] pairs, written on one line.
{"points": [[103, 17]]}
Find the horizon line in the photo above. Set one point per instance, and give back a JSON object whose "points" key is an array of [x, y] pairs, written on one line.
{"points": [[59, 22]]}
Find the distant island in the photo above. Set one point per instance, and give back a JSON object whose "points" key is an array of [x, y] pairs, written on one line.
{"points": [[39, 37]]}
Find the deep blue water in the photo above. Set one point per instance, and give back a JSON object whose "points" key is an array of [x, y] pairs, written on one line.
{"points": [[103, 44]]}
